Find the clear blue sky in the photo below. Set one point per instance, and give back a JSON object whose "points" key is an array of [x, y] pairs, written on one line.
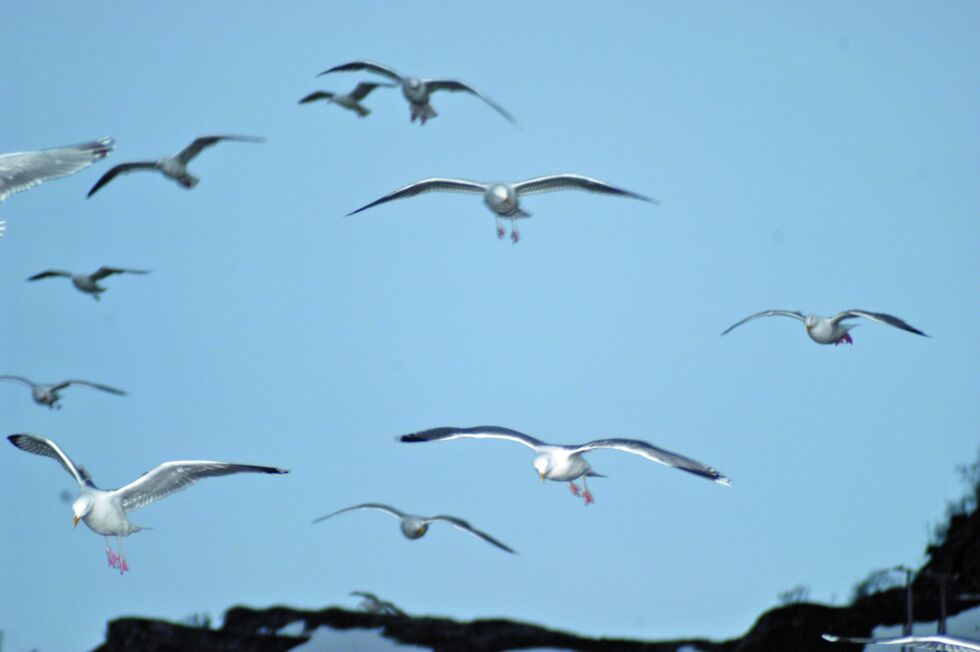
{"points": [[814, 157]]}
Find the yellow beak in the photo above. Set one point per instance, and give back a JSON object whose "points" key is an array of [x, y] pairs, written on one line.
{"points": [[74, 521], [542, 476]]}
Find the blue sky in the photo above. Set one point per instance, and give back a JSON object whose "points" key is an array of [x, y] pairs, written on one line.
{"points": [[811, 157]]}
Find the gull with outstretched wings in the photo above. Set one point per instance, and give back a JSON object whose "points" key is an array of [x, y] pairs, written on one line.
{"points": [[831, 330], [87, 283], [49, 394], [351, 101]]}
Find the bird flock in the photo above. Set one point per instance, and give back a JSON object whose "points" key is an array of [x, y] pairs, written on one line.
{"points": [[106, 512]]}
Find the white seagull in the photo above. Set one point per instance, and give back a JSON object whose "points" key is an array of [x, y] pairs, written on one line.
{"points": [[504, 198], [417, 91], [831, 330], [87, 283], [22, 170], [350, 101], [566, 463], [48, 394], [413, 527], [173, 167], [375, 605], [104, 512], [938, 642]]}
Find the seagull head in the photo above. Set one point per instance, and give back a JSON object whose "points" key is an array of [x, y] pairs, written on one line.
{"points": [[81, 507], [542, 464], [811, 321]]}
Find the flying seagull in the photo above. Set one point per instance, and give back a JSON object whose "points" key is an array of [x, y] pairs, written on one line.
{"points": [[104, 512], [375, 605], [417, 91], [566, 463], [174, 167], [831, 330], [350, 101], [88, 283], [938, 642], [414, 526], [504, 198], [48, 394]]}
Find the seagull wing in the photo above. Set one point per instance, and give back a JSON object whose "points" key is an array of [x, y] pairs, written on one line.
{"points": [[174, 476], [44, 446], [18, 379], [187, 154], [23, 170], [879, 317], [317, 95], [768, 313], [555, 182], [122, 168], [365, 594], [428, 185], [48, 273], [102, 272], [370, 66], [479, 432], [460, 524], [85, 383], [387, 509], [361, 90], [939, 642], [651, 452], [454, 85]]}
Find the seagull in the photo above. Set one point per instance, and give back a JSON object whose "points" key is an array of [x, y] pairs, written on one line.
{"points": [[104, 512], [417, 91], [566, 463], [350, 101], [503, 198], [832, 330], [88, 283], [48, 394], [414, 526], [375, 605], [938, 642], [23, 170], [174, 167]]}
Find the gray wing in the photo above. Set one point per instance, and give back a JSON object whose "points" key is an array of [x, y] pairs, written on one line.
{"points": [[44, 446], [122, 168], [317, 95], [767, 313], [651, 452], [454, 85], [460, 524], [365, 65], [18, 379], [879, 317], [48, 273], [85, 383], [555, 182], [187, 154], [479, 432], [23, 170], [433, 184], [387, 509], [361, 90], [174, 476], [939, 642], [365, 594], [103, 272]]}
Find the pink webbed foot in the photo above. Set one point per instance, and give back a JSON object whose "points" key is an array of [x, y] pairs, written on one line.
{"points": [[123, 566], [846, 338], [587, 497], [114, 559], [500, 232], [574, 488], [515, 235]]}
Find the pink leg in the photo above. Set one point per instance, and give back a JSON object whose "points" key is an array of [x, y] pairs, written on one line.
{"points": [[845, 338], [111, 555], [515, 235], [500, 230], [574, 488], [586, 494], [123, 566]]}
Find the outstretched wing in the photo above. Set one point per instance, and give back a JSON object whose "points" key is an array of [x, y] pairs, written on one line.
{"points": [[317, 95], [651, 452], [102, 272], [479, 432], [18, 379], [427, 185], [555, 182], [460, 524], [768, 313], [44, 446], [387, 509], [48, 273], [174, 476], [938, 642], [879, 317], [454, 85], [361, 90], [23, 170], [370, 66], [85, 383], [122, 168], [187, 154]]}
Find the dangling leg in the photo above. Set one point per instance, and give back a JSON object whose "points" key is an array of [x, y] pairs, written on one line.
{"points": [[123, 566], [574, 488], [111, 555], [586, 494], [500, 228], [515, 235], [845, 338]]}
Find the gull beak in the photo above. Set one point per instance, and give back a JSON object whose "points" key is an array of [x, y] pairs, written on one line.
{"points": [[541, 474], [74, 522]]}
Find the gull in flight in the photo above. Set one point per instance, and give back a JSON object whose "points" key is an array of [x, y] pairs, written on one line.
{"points": [[23, 170], [566, 463], [417, 91], [350, 101], [375, 605], [831, 330], [104, 512], [88, 283], [503, 198], [938, 642], [48, 394], [413, 527], [173, 167]]}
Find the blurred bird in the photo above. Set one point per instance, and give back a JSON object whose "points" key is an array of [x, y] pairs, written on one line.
{"points": [[375, 605], [504, 198], [173, 167], [831, 330], [48, 394], [413, 527], [350, 101], [104, 512], [938, 642], [88, 283], [417, 91]]}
